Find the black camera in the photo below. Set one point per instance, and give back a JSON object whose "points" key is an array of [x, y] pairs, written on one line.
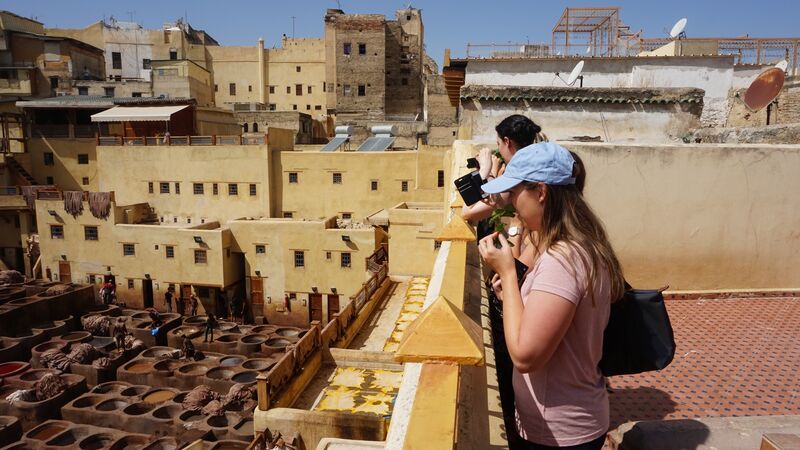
{"points": [[469, 185]]}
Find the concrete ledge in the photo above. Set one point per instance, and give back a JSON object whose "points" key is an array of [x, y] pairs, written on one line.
{"points": [[729, 433]]}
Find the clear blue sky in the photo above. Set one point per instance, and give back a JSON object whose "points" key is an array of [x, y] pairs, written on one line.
{"points": [[448, 23]]}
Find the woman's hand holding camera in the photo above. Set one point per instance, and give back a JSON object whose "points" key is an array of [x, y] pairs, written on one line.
{"points": [[500, 259]]}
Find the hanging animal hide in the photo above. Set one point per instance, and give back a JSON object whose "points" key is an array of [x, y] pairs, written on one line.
{"points": [[100, 204], [73, 202]]}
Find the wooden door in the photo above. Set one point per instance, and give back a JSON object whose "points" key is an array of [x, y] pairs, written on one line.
{"points": [[315, 307], [64, 272], [333, 305], [147, 293], [256, 290]]}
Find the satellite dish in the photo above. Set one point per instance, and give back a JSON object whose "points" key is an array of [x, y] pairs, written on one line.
{"points": [[764, 89], [678, 28], [588, 49], [783, 65], [576, 72]]}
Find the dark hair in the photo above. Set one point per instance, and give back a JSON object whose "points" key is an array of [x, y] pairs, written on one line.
{"points": [[519, 129], [578, 171]]}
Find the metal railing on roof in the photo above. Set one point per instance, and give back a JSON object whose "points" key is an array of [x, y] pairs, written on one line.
{"points": [[183, 140]]}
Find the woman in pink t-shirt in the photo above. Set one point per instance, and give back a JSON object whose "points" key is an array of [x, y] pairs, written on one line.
{"points": [[554, 322]]}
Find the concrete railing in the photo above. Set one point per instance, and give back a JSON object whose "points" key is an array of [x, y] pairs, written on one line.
{"points": [[278, 386], [183, 140]]}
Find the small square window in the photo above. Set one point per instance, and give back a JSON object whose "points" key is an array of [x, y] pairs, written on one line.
{"points": [[362, 49], [83, 158], [233, 189], [273, 107], [317, 107], [49, 160], [373, 185], [177, 188], [197, 188], [56, 232], [128, 250], [216, 87], [261, 249], [108, 92], [345, 259], [347, 48], [346, 89], [288, 89], [272, 89], [440, 178], [85, 181], [297, 68], [130, 283], [292, 177], [83, 90], [404, 186], [288, 215], [337, 178], [136, 94], [146, 64], [298, 89], [215, 189], [163, 188], [437, 245], [249, 88], [328, 256], [347, 216], [200, 257], [362, 90], [299, 258], [170, 251], [50, 180], [308, 107], [294, 107], [310, 89], [90, 233], [150, 187], [253, 190], [404, 81], [232, 88]]}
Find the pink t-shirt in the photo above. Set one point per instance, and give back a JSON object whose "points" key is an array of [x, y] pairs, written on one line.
{"points": [[565, 402]]}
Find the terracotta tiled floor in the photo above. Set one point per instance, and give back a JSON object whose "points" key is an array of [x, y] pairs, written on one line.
{"points": [[735, 357]]}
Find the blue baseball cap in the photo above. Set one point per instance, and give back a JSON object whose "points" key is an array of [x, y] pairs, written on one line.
{"points": [[544, 162]]}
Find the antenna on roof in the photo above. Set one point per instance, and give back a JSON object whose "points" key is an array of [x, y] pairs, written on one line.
{"points": [[764, 89], [574, 76], [677, 31]]}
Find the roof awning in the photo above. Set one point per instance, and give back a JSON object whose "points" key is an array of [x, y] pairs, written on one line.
{"points": [[137, 113]]}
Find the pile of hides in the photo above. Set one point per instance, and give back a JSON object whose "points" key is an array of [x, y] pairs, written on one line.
{"points": [[11, 277], [199, 397], [100, 204], [73, 202], [206, 400], [49, 386], [57, 290], [97, 325], [238, 395], [22, 395], [55, 359], [102, 363], [132, 343], [80, 354]]}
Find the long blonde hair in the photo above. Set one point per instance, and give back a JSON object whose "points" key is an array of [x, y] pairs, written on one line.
{"points": [[568, 222]]}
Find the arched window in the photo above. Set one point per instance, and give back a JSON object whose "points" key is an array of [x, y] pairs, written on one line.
{"points": [[255, 127], [244, 127]]}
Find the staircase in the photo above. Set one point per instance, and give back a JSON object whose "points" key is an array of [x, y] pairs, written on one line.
{"points": [[22, 175]]}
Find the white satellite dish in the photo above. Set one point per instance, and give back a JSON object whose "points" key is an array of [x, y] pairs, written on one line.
{"points": [[678, 28], [783, 65], [588, 49], [576, 72]]}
